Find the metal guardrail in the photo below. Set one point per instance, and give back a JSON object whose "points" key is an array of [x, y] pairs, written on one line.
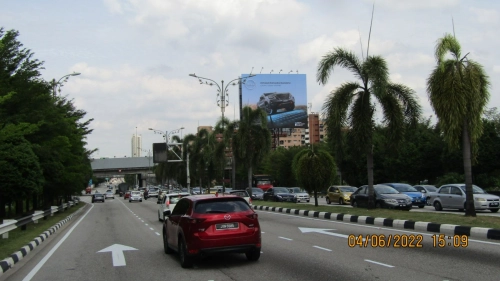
{"points": [[9, 225]]}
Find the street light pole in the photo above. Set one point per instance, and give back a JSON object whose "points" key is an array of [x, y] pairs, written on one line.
{"points": [[222, 102], [59, 83]]}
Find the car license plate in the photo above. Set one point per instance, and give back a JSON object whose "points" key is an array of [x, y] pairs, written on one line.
{"points": [[402, 205], [222, 226], [494, 204]]}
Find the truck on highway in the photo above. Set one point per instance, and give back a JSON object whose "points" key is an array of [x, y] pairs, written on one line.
{"points": [[263, 182]]}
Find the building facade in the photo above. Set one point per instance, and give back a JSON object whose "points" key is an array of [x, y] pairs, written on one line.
{"points": [[136, 145], [300, 137]]}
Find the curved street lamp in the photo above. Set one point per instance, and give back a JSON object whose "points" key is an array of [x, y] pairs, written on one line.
{"points": [[222, 102], [57, 85]]}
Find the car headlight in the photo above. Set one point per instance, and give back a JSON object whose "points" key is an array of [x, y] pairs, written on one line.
{"points": [[479, 199], [295, 196], [279, 196], [408, 200], [393, 201]]}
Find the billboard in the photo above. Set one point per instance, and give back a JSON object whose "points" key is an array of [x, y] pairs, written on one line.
{"points": [[282, 96]]}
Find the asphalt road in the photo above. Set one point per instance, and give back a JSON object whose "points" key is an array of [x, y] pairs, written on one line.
{"points": [[294, 248]]}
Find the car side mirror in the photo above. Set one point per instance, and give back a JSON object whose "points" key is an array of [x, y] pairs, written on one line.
{"points": [[167, 213], [336, 191], [423, 191]]}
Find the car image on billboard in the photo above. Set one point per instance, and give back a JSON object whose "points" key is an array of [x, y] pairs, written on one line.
{"points": [[282, 96]]}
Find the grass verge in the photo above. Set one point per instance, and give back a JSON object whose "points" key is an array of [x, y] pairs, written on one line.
{"points": [[19, 238], [442, 218]]}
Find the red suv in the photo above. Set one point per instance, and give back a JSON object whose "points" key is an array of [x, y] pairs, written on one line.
{"points": [[204, 224]]}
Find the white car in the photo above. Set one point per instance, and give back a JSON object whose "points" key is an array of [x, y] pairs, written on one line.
{"points": [[135, 196], [241, 193], [153, 192], [300, 195], [109, 194], [452, 196], [168, 202]]}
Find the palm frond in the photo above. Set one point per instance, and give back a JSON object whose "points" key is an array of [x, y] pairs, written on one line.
{"points": [[338, 57], [361, 120], [446, 44], [377, 74]]}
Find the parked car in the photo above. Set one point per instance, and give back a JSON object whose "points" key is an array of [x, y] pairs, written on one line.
{"points": [[153, 192], [257, 193], [272, 102], [205, 224], [135, 196], [340, 194], [428, 190], [417, 197], [219, 189], [196, 190], [385, 197], [109, 194], [126, 195], [98, 197], [279, 194], [300, 194], [168, 202], [241, 193], [452, 196]]}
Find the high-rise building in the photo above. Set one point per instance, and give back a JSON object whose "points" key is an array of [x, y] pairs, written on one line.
{"points": [[300, 137], [136, 145]]}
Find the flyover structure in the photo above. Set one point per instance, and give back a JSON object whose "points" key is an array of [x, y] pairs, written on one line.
{"points": [[119, 167]]}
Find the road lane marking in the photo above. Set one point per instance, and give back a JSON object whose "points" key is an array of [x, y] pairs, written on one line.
{"points": [[117, 253], [321, 248], [52, 251], [379, 263], [151, 229], [147, 224], [285, 238], [157, 233], [376, 227]]}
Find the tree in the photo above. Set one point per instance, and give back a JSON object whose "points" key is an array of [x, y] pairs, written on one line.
{"points": [[352, 105], [252, 140], [458, 93], [314, 169]]}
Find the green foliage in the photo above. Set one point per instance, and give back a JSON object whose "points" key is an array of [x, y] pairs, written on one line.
{"points": [[450, 178], [314, 169], [33, 121]]}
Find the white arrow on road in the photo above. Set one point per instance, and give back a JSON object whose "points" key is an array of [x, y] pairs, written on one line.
{"points": [[323, 231], [117, 253]]}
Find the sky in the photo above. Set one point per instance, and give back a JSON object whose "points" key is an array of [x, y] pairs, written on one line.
{"points": [[135, 56]]}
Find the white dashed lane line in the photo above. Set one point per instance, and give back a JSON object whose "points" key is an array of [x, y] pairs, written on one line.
{"points": [[158, 234], [321, 248], [285, 238], [379, 263]]}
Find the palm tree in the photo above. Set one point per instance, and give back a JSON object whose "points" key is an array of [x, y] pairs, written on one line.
{"points": [[252, 140], [314, 169], [200, 148], [352, 105], [458, 92]]}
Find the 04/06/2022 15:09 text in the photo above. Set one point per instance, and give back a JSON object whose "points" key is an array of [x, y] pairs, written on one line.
{"points": [[405, 241]]}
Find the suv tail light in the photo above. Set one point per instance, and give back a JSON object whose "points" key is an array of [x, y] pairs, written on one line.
{"points": [[167, 202], [194, 220], [252, 216]]}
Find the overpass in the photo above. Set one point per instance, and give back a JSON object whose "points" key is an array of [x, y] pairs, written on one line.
{"points": [[119, 167]]}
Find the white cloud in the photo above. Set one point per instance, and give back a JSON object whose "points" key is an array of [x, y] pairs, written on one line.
{"points": [[412, 5], [114, 6], [319, 46], [487, 16]]}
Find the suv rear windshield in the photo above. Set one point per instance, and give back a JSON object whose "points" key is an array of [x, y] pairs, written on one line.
{"points": [[221, 206]]}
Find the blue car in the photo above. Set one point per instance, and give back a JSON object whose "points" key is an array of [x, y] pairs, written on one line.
{"points": [[417, 197]]}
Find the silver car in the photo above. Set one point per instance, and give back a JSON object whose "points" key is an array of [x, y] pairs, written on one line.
{"points": [[300, 195], [452, 196], [135, 196]]}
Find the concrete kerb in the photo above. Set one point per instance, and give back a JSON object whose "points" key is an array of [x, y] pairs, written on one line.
{"points": [[10, 261], [449, 229]]}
